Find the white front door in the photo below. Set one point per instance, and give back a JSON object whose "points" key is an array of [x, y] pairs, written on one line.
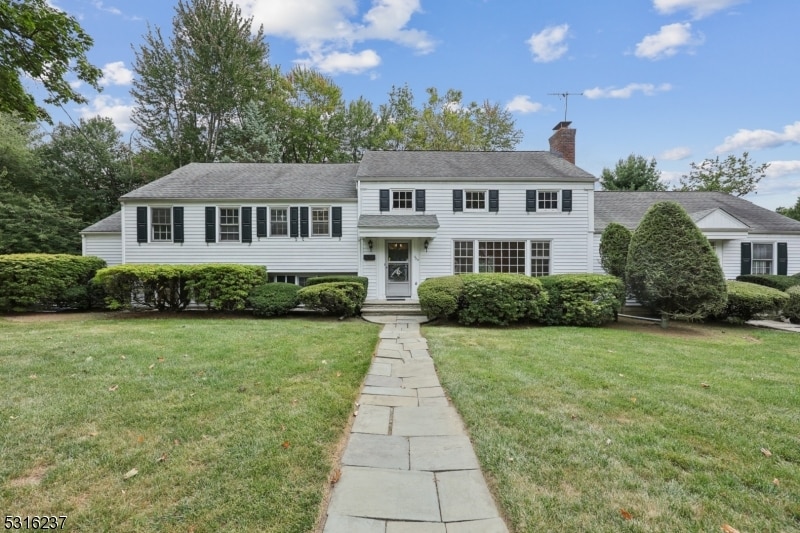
{"points": [[398, 269]]}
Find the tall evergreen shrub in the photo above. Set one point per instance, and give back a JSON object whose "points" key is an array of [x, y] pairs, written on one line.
{"points": [[614, 244]]}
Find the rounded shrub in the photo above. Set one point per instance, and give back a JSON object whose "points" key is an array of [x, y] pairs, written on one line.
{"points": [[273, 299], [328, 279], [614, 244], [672, 268], [775, 281], [746, 300], [500, 299], [582, 299], [343, 298], [791, 308], [224, 287], [440, 297]]}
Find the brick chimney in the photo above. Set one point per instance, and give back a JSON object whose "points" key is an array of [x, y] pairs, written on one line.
{"points": [[562, 142]]}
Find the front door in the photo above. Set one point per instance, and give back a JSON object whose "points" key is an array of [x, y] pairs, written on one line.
{"points": [[398, 269]]}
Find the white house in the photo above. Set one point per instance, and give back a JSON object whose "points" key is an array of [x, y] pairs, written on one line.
{"points": [[401, 217]]}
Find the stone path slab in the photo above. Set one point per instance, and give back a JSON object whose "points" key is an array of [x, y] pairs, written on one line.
{"points": [[409, 465]]}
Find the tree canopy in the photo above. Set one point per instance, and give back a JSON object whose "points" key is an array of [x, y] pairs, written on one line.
{"points": [[46, 44], [733, 175], [791, 212], [632, 174]]}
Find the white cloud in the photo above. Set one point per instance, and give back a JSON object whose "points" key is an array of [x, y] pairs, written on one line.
{"points": [[778, 169], [326, 31], [113, 108], [522, 104], [667, 41], [675, 154], [756, 139], [116, 74], [100, 6], [698, 8], [548, 45], [648, 89]]}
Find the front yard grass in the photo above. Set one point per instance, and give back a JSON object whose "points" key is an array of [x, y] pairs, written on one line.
{"points": [[631, 428], [231, 424]]}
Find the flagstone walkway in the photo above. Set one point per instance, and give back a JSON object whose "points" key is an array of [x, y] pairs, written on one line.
{"points": [[408, 465]]}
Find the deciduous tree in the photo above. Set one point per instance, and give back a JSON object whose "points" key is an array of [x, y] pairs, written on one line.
{"points": [[632, 174], [733, 175]]}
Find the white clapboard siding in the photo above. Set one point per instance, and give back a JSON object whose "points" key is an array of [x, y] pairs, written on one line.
{"points": [[106, 246]]}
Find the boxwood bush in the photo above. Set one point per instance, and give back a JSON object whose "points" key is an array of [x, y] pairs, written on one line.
{"points": [[273, 299], [36, 281], [781, 283], [342, 298], [224, 287], [582, 299], [328, 279], [500, 299], [440, 297], [746, 300], [791, 308]]}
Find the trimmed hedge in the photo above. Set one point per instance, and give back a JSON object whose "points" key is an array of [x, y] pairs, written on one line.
{"points": [[35, 281], [791, 309], [745, 300], [775, 281], [173, 287], [582, 299], [316, 280], [274, 299], [440, 297], [343, 298], [500, 299]]}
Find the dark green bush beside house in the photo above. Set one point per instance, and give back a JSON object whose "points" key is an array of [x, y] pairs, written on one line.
{"points": [[791, 309], [440, 297], [614, 243], [500, 299], [582, 299], [671, 268], [328, 279], [273, 299], [342, 298], [775, 281], [746, 300], [224, 287], [45, 281]]}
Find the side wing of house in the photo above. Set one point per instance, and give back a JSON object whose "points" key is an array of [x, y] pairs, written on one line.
{"points": [[103, 240]]}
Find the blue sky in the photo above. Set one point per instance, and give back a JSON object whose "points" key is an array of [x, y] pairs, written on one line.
{"points": [[678, 80]]}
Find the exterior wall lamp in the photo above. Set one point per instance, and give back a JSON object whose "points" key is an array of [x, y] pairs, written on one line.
{"points": [[425, 244], [369, 243]]}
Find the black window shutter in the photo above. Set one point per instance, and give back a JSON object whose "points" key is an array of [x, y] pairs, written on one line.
{"points": [[211, 224], [384, 199], [783, 259], [746, 258], [530, 201], [247, 224], [494, 200], [141, 224], [261, 221], [566, 200], [420, 199], [293, 222], [304, 222], [458, 200], [177, 224], [336, 219]]}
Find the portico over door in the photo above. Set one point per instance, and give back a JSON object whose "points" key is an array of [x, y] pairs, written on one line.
{"points": [[398, 269]]}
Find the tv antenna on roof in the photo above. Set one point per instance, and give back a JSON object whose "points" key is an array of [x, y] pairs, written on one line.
{"points": [[565, 96]]}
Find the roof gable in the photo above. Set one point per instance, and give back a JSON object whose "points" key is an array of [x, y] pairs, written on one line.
{"points": [[718, 219]]}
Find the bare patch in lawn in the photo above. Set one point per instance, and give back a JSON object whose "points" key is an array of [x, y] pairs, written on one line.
{"points": [[31, 479], [682, 330]]}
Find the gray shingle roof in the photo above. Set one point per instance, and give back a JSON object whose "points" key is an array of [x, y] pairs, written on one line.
{"points": [[110, 224], [469, 166], [628, 208], [252, 181], [398, 221]]}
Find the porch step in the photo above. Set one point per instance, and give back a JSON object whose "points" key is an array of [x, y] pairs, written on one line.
{"points": [[388, 307]]}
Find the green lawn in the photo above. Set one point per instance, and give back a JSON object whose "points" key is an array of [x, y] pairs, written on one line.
{"points": [[231, 423], [576, 428]]}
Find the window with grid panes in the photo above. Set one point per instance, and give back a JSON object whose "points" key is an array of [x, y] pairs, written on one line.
{"points": [[501, 256], [548, 200], [161, 222], [228, 224], [475, 200], [762, 259], [540, 258], [402, 200], [319, 221], [462, 257], [279, 222]]}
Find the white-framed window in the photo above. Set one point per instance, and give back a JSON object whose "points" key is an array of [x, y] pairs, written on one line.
{"points": [[501, 256], [547, 200], [283, 278], [402, 200], [763, 258], [463, 258], [475, 200], [320, 221], [540, 258], [279, 222], [161, 224], [229, 224]]}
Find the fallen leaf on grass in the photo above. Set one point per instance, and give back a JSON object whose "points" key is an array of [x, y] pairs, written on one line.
{"points": [[766, 452], [728, 529], [705, 385], [122, 357], [112, 388], [151, 367], [286, 444], [776, 482], [625, 514], [130, 473], [355, 413], [337, 474], [162, 458], [161, 359], [140, 439], [33, 376], [93, 433], [338, 374]]}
